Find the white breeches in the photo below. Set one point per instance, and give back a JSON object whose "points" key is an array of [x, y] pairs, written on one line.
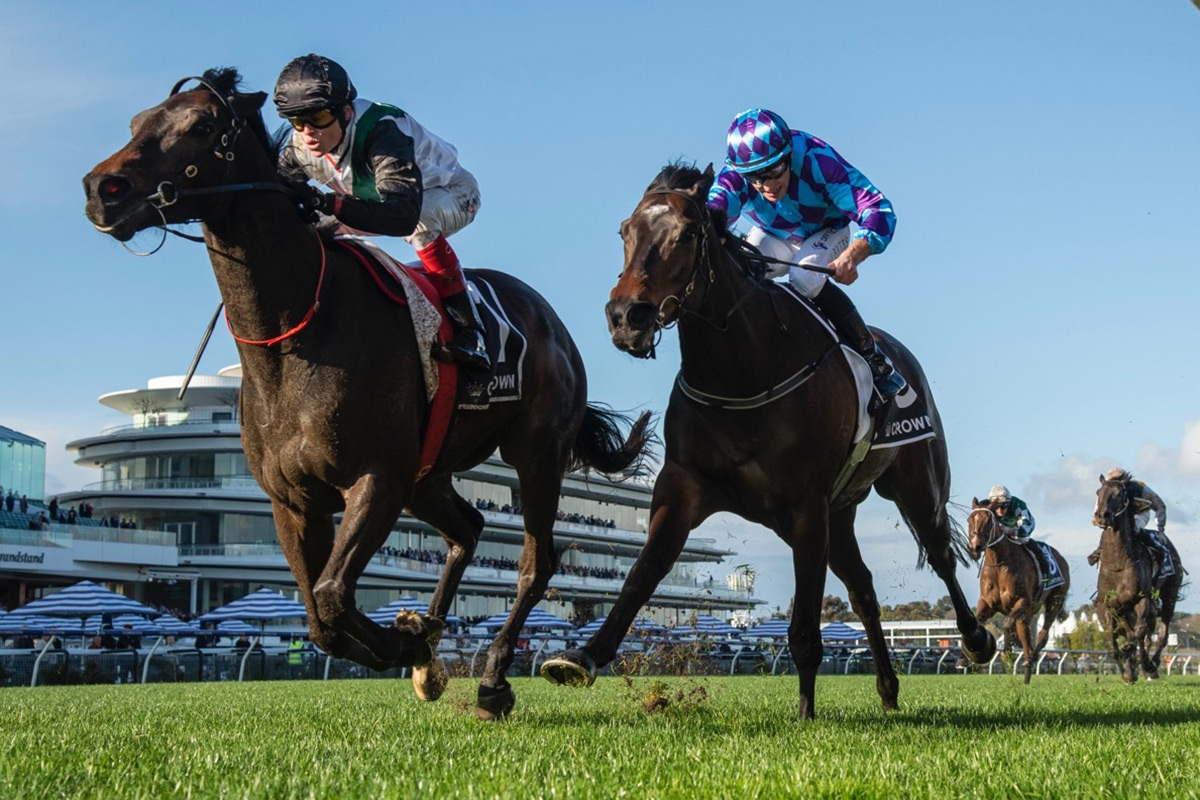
{"points": [[817, 250], [446, 210]]}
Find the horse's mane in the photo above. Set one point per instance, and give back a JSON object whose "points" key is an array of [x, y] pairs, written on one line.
{"points": [[677, 176], [681, 176], [229, 81]]}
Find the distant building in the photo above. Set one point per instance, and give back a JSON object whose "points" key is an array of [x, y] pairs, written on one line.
{"points": [[22, 464], [202, 533]]}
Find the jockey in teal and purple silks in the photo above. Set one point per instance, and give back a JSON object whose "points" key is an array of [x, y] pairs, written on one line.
{"points": [[801, 197], [825, 192]]}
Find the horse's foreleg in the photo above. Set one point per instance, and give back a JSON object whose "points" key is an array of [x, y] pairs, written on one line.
{"points": [[845, 559], [917, 482], [539, 501], [459, 524], [1023, 634], [678, 506], [809, 539], [371, 508]]}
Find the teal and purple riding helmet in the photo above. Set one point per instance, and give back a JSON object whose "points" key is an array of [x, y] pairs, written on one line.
{"points": [[757, 139]]}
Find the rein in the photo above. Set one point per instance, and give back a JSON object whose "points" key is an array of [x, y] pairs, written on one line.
{"points": [[300, 325]]}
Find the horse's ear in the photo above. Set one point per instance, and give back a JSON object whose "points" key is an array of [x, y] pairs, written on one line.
{"points": [[1101, 480], [249, 104], [704, 183], [974, 502]]}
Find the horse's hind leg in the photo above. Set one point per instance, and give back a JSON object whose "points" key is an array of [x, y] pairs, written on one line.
{"points": [[1050, 611], [460, 524], [845, 560], [918, 482], [372, 506], [1168, 596], [540, 486]]}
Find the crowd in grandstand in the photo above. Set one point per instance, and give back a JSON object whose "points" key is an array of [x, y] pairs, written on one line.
{"points": [[582, 519], [497, 562]]}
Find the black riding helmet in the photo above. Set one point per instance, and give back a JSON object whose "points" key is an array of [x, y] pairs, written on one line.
{"points": [[310, 83]]}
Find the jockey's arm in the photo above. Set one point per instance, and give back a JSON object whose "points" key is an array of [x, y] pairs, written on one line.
{"points": [[397, 181], [1157, 506], [845, 266]]}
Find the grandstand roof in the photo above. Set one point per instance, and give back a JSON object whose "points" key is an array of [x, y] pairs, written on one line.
{"points": [[9, 435]]}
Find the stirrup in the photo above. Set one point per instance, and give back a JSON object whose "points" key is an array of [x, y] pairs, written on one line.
{"points": [[888, 386], [473, 356]]}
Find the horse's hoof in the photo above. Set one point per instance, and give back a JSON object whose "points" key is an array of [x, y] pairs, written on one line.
{"points": [[429, 681], [1151, 676], [986, 650], [572, 668], [495, 704]]}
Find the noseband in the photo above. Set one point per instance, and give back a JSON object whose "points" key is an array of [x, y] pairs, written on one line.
{"points": [[663, 321], [997, 534]]}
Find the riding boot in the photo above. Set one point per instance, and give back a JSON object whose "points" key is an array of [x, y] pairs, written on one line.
{"points": [[467, 347], [1166, 566], [840, 309]]}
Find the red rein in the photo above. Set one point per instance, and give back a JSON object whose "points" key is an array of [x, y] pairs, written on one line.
{"points": [[303, 323]]}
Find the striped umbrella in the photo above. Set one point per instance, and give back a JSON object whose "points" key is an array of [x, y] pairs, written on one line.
{"points": [[82, 600], [235, 626], [385, 615], [139, 624], [34, 624], [706, 625], [261, 605], [841, 632], [537, 619], [640, 625], [774, 628]]}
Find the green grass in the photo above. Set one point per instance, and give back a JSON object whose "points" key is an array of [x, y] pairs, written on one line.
{"points": [[737, 737]]}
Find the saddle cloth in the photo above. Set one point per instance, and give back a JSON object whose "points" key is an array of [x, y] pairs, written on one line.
{"points": [[902, 421], [1049, 575], [505, 343]]}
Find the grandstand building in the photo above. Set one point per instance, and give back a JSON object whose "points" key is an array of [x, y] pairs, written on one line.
{"points": [[178, 521]]}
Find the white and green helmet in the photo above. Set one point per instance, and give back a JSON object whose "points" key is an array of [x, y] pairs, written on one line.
{"points": [[999, 494]]}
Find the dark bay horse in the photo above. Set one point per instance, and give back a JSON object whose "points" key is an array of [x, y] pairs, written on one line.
{"points": [[1125, 587], [776, 463], [1009, 584], [332, 414]]}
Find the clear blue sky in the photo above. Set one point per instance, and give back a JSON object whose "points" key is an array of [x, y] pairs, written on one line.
{"points": [[1042, 160]]}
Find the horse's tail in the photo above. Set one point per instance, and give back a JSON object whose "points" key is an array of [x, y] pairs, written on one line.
{"points": [[601, 445], [958, 537]]}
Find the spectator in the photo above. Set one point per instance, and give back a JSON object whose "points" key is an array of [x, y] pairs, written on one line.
{"points": [[128, 639], [10, 501], [97, 643], [24, 504], [53, 508]]}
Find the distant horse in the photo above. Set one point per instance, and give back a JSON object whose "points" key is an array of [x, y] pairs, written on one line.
{"points": [[774, 457], [1125, 587], [332, 411], [1009, 583]]}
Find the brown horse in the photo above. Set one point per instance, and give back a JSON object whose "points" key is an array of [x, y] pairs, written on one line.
{"points": [[1009, 583], [1125, 587], [333, 415], [773, 456]]}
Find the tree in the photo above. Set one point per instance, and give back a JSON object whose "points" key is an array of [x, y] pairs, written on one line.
{"points": [[834, 608], [1087, 636], [943, 608]]}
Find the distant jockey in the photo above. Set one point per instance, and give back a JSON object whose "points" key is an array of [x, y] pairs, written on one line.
{"points": [[387, 175], [1145, 502], [1017, 522], [802, 196]]}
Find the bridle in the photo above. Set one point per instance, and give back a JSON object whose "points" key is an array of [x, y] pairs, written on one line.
{"points": [[663, 320], [167, 193], [996, 534], [1124, 508]]}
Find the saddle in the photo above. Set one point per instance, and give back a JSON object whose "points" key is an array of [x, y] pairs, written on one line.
{"points": [[1049, 575]]}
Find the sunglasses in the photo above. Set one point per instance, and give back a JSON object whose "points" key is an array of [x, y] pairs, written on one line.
{"points": [[318, 120], [768, 174]]}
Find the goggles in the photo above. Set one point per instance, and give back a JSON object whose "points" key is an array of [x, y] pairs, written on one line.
{"points": [[769, 174], [318, 120]]}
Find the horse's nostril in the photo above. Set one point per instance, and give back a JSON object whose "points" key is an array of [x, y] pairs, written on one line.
{"points": [[112, 188]]}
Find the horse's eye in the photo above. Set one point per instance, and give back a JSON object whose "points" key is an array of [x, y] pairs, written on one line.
{"points": [[204, 127]]}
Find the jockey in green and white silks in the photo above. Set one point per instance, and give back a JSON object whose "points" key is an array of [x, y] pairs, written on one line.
{"points": [[387, 175], [1012, 513]]}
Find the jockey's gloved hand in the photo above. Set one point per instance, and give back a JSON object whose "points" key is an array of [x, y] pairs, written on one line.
{"points": [[311, 201]]}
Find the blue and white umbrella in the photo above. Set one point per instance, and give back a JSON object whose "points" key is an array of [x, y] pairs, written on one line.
{"points": [[841, 632], [261, 605], [706, 625], [385, 615], [640, 625], [537, 619], [83, 600], [36, 625], [235, 626], [774, 628], [140, 625]]}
